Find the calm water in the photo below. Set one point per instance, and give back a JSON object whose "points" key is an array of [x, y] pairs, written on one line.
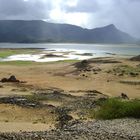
{"points": [[123, 49], [98, 50]]}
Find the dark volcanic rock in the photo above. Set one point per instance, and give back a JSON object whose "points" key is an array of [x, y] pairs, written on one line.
{"points": [[51, 55], [136, 58], [63, 117], [124, 96], [21, 101], [134, 74], [13, 79], [82, 65], [10, 79], [4, 80]]}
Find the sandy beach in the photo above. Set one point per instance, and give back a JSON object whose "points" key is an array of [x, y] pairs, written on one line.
{"points": [[31, 104], [65, 76]]}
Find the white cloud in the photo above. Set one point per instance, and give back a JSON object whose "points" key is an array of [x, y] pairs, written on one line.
{"points": [[80, 19]]}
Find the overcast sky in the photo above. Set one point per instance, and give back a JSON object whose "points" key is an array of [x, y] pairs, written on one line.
{"points": [[125, 14]]}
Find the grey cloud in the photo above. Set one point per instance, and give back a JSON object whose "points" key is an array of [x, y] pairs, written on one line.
{"points": [[12, 7], [123, 13], [20, 9]]}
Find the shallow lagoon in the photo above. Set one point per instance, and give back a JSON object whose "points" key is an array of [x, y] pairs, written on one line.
{"points": [[57, 52]]}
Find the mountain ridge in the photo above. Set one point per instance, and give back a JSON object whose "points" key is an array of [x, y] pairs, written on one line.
{"points": [[34, 31]]}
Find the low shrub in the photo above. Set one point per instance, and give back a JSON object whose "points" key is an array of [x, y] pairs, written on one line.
{"points": [[116, 108]]}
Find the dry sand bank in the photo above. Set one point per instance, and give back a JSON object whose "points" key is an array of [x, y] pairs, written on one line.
{"points": [[105, 75]]}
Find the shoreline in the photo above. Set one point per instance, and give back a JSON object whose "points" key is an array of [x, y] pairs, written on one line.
{"points": [[53, 55]]}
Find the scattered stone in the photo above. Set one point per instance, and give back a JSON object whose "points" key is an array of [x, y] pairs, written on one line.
{"points": [[63, 117], [124, 96], [4, 80], [91, 130], [21, 101], [83, 75], [134, 74]]}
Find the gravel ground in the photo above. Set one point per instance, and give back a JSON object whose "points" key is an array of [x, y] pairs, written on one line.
{"points": [[119, 129]]}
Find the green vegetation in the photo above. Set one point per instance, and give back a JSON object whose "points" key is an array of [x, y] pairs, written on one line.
{"points": [[4, 54], [17, 63], [51, 96], [116, 108], [28, 63], [125, 70], [36, 97], [69, 61], [8, 52]]}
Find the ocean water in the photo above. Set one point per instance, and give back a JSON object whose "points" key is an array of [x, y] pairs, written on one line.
{"points": [[97, 50]]}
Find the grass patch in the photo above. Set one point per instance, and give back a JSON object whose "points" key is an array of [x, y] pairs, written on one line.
{"points": [[125, 70], [69, 61], [54, 96], [18, 63], [35, 97], [8, 52], [116, 108], [4, 54]]}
